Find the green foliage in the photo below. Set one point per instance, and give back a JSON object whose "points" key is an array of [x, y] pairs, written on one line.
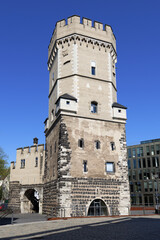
{"points": [[4, 169]]}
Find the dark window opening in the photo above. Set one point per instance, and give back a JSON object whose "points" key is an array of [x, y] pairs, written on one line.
{"points": [[113, 146], [22, 163], [94, 106], [97, 144], [36, 162], [81, 143], [85, 166], [93, 70]]}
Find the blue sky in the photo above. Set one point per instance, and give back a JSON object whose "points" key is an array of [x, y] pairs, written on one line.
{"points": [[26, 27]]}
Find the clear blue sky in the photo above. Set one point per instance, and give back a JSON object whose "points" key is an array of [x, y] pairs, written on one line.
{"points": [[26, 27]]}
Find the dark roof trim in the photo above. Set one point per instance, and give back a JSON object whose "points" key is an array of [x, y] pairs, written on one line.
{"points": [[67, 96], [46, 120], [118, 105]]}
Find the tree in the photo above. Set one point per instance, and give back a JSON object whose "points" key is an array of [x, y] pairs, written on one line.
{"points": [[4, 169]]}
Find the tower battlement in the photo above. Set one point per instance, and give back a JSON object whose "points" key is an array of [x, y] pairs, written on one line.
{"points": [[86, 27], [30, 149]]}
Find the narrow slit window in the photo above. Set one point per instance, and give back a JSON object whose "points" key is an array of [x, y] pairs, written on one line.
{"points": [[93, 68], [97, 144], [113, 146], [36, 162], [81, 143], [85, 166]]}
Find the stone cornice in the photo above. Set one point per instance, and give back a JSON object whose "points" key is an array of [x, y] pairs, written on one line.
{"points": [[81, 38], [98, 79]]}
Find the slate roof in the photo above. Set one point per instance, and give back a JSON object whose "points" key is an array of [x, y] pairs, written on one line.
{"points": [[115, 104], [67, 96]]}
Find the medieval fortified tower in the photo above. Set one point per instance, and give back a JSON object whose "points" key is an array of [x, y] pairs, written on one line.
{"points": [[85, 156], [83, 169]]}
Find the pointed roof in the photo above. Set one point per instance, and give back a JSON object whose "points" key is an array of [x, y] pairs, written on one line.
{"points": [[115, 104]]}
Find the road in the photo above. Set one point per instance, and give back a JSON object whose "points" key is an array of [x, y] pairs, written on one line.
{"points": [[109, 228]]}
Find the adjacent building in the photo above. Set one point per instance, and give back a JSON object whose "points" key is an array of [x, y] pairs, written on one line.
{"points": [[144, 173], [26, 179]]}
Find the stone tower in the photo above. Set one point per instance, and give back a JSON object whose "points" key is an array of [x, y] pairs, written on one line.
{"points": [[85, 163]]}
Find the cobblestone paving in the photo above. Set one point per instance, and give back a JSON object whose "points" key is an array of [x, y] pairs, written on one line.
{"points": [[122, 228]]}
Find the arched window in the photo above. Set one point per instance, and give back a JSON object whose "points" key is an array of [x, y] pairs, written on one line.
{"points": [[94, 107]]}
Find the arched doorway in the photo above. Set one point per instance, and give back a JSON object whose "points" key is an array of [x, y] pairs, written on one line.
{"points": [[97, 208], [31, 201]]}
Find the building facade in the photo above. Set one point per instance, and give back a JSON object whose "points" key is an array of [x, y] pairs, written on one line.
{"points": [[85, 156], [144, 173], [26, 179]]}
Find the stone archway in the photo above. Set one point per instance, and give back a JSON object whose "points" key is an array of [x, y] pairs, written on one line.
{"points": [[30, 203], [97, 208]]}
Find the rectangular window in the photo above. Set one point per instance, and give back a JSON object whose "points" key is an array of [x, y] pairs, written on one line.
{"points": [[137, 186], [144, 163], [94, 107], [131, 187], [129, 153], [36, 162], [134, 163], [148, 162], [139, 163], [22, 163], [85, 166], [152, 150], [147, 150], [138, 152], [129, 175], [145, 187], [157, 148], [93, 68], [156, 162], [141, 151], [145, 174], [134, 152], [110, 167], [153, 162], [140, 174], [134, 175], [150, 186], [129, 164]]}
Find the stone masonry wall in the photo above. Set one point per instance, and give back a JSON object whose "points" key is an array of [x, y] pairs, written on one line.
{"points": [[14, 196]]}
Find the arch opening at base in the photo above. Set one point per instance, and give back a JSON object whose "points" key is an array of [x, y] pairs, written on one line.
{"points": [[31, 201], [97, 208]]}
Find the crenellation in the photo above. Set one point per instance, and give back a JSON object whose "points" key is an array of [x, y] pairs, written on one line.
{"points": [[73, 19], [68, 28], [33, 149], [87, 22], [98, 25]]}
